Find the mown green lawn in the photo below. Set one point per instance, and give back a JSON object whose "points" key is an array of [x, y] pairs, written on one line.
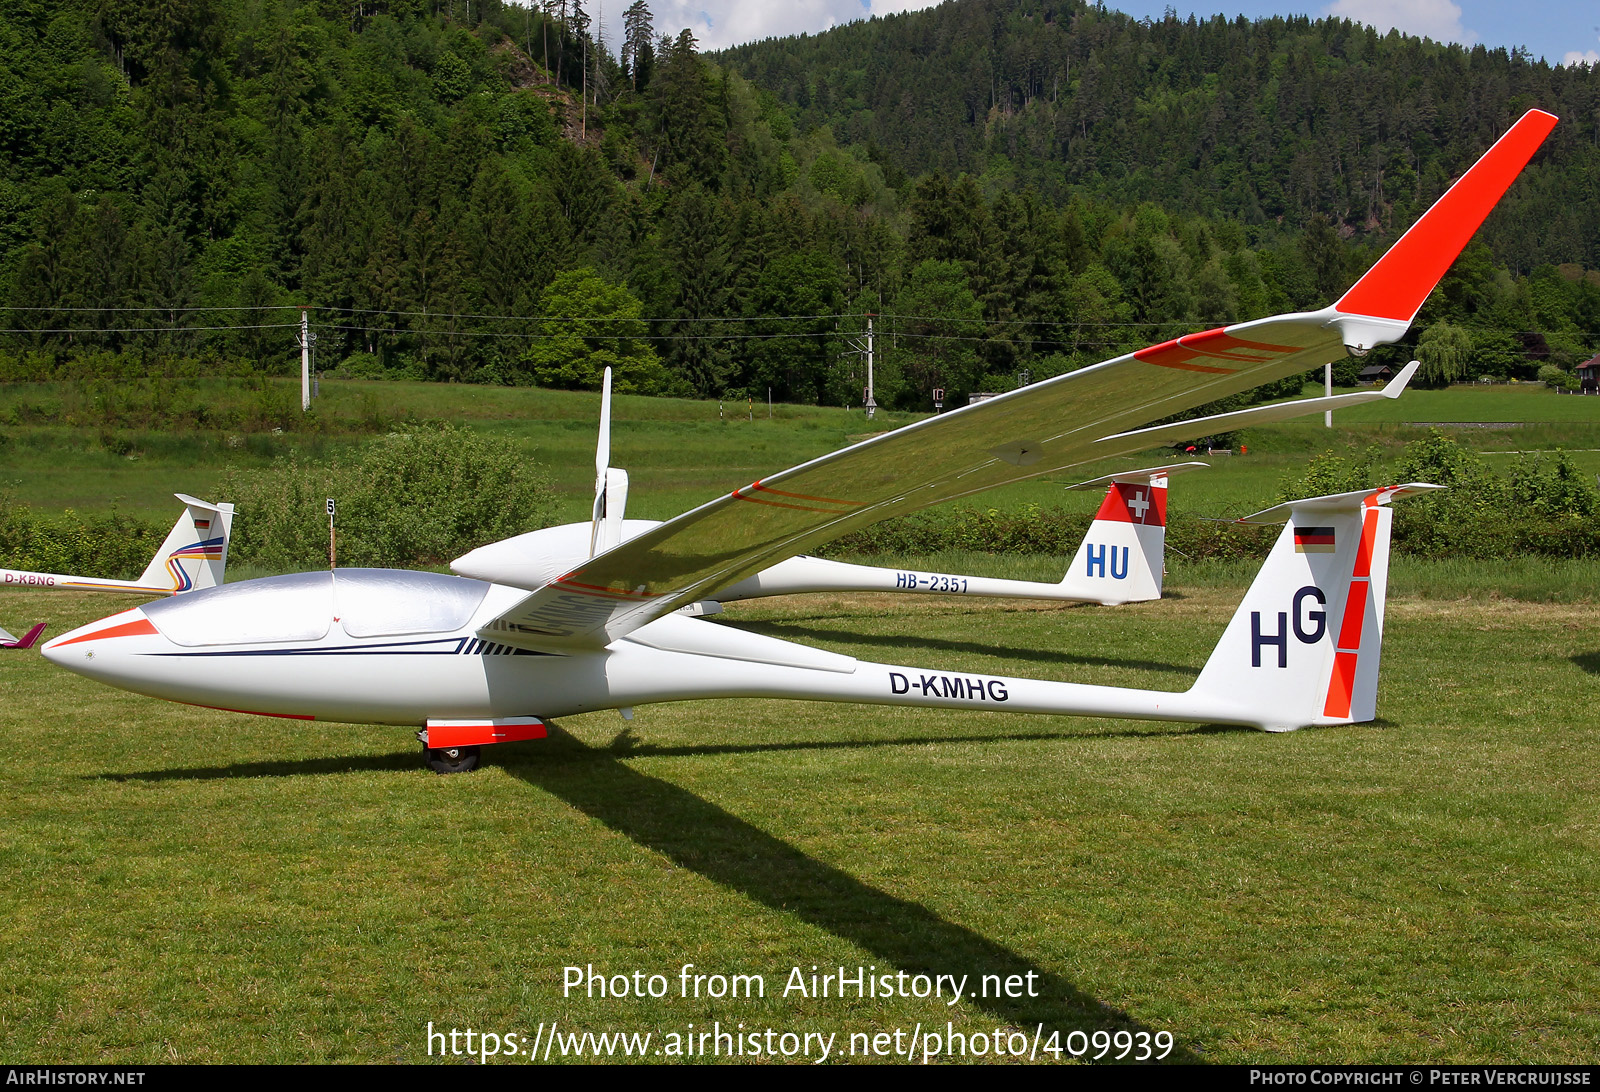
{"points": [[186, 885], [681, 453]]}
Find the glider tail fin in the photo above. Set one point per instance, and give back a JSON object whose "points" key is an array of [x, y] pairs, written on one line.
{"points": [[610, 484], [194, 555], [1123, 555], [1303, 647], [26, 641]]}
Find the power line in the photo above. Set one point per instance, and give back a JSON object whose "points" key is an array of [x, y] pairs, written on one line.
{"points": [[85, 330]]}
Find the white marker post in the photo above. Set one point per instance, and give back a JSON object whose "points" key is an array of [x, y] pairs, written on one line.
{"points": [[305, 361], [1327, 383], [871, 399]]}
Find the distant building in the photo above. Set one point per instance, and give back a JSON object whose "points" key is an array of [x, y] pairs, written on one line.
{"points": [[1376, 373], [1589, 375]]}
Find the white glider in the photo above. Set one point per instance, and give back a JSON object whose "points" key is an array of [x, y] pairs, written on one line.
{"points": [[1121, 559], [193, 557], [476, 661]]}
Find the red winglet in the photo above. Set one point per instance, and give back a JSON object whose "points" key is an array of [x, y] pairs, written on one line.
{"points": [[1402, 279], [27, 638]]}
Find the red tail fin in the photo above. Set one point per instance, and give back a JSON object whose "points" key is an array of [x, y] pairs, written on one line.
{"points": [[28, 638]]}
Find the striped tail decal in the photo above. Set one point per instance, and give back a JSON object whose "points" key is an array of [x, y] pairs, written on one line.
{"points": [[1347, 648], [208, 550]]}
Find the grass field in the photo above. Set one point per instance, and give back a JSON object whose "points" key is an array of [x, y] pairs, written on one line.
{"points": [[183, 884], [681, 453]]}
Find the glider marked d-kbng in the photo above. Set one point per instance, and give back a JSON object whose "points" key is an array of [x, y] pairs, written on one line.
{"points": [[193, 557], [478, 661]]}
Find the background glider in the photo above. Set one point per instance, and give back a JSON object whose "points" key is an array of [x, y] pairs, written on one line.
{"points": [[193, 557]]}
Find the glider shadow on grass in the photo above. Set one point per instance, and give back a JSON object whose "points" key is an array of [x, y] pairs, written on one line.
{"points": [[1589, 661], [698, 835]]}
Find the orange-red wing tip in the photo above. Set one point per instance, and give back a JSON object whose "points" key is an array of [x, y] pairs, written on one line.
{"points": [[1402, 279]]}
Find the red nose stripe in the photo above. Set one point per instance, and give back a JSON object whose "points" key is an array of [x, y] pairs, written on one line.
{"points": [[127, 629]]}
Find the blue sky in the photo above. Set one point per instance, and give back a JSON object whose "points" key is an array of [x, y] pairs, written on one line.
{"points": [[1563, 31]]}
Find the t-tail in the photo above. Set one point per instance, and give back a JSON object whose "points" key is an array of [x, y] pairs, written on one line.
{"points": [[194, 556], [26, 641], [1303, 648], [1122, 559], [610, 483]]}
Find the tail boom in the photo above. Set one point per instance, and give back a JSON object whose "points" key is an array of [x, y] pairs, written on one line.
{"points": [[1302, 649], [193, 556]]}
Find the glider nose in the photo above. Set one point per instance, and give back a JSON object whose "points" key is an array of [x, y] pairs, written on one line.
{"points": [[78, 650]]}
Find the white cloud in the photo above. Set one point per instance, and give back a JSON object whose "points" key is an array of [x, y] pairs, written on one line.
{"points": [[1590, 58], [1436, 19], [718, 24], [891, 7]]}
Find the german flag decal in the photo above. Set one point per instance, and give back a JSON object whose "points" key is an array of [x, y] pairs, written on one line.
{"points": [[1313, 540]]}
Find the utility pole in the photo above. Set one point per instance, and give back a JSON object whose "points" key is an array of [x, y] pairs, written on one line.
{"points": [[305, 360], [1327, 383], [872, 403]]}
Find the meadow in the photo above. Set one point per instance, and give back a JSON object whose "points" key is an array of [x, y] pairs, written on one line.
{"points": [[182, 884], [131, 452], [188, 885]]}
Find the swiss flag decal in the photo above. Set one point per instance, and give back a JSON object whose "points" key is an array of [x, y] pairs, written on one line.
{"points": [[1128, 502]]}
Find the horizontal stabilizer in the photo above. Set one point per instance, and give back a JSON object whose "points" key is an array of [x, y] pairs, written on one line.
{"points": [[1130, 477], [1333, 501], [1266, 415]]}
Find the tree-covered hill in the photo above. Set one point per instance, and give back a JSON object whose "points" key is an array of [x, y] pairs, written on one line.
{"points": [[1277, 119], [485, 192]]}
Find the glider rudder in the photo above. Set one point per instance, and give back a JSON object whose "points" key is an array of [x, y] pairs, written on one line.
{"points": [[1303, 647], [26, 641], [194, 555], [1122, 555]]}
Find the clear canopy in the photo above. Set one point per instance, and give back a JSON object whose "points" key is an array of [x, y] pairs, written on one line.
{"points": [[302, 607]]}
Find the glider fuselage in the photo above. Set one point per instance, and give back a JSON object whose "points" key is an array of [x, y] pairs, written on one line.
{"points": [[398, 647]]}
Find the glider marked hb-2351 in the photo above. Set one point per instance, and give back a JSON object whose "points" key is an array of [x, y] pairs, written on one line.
{"points": [[478, 661], [1121, 559]]}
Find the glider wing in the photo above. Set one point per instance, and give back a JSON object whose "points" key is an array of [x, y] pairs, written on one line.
{"points": [[1073, 419]]}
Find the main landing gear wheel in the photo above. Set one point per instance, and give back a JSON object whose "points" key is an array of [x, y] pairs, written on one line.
{"points": [[445, 760]]}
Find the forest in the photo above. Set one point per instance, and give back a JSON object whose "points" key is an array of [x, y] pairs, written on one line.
{"points": [[1007, 189]]}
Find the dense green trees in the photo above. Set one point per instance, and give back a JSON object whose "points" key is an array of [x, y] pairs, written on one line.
{"points": [[1011, 186]]}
